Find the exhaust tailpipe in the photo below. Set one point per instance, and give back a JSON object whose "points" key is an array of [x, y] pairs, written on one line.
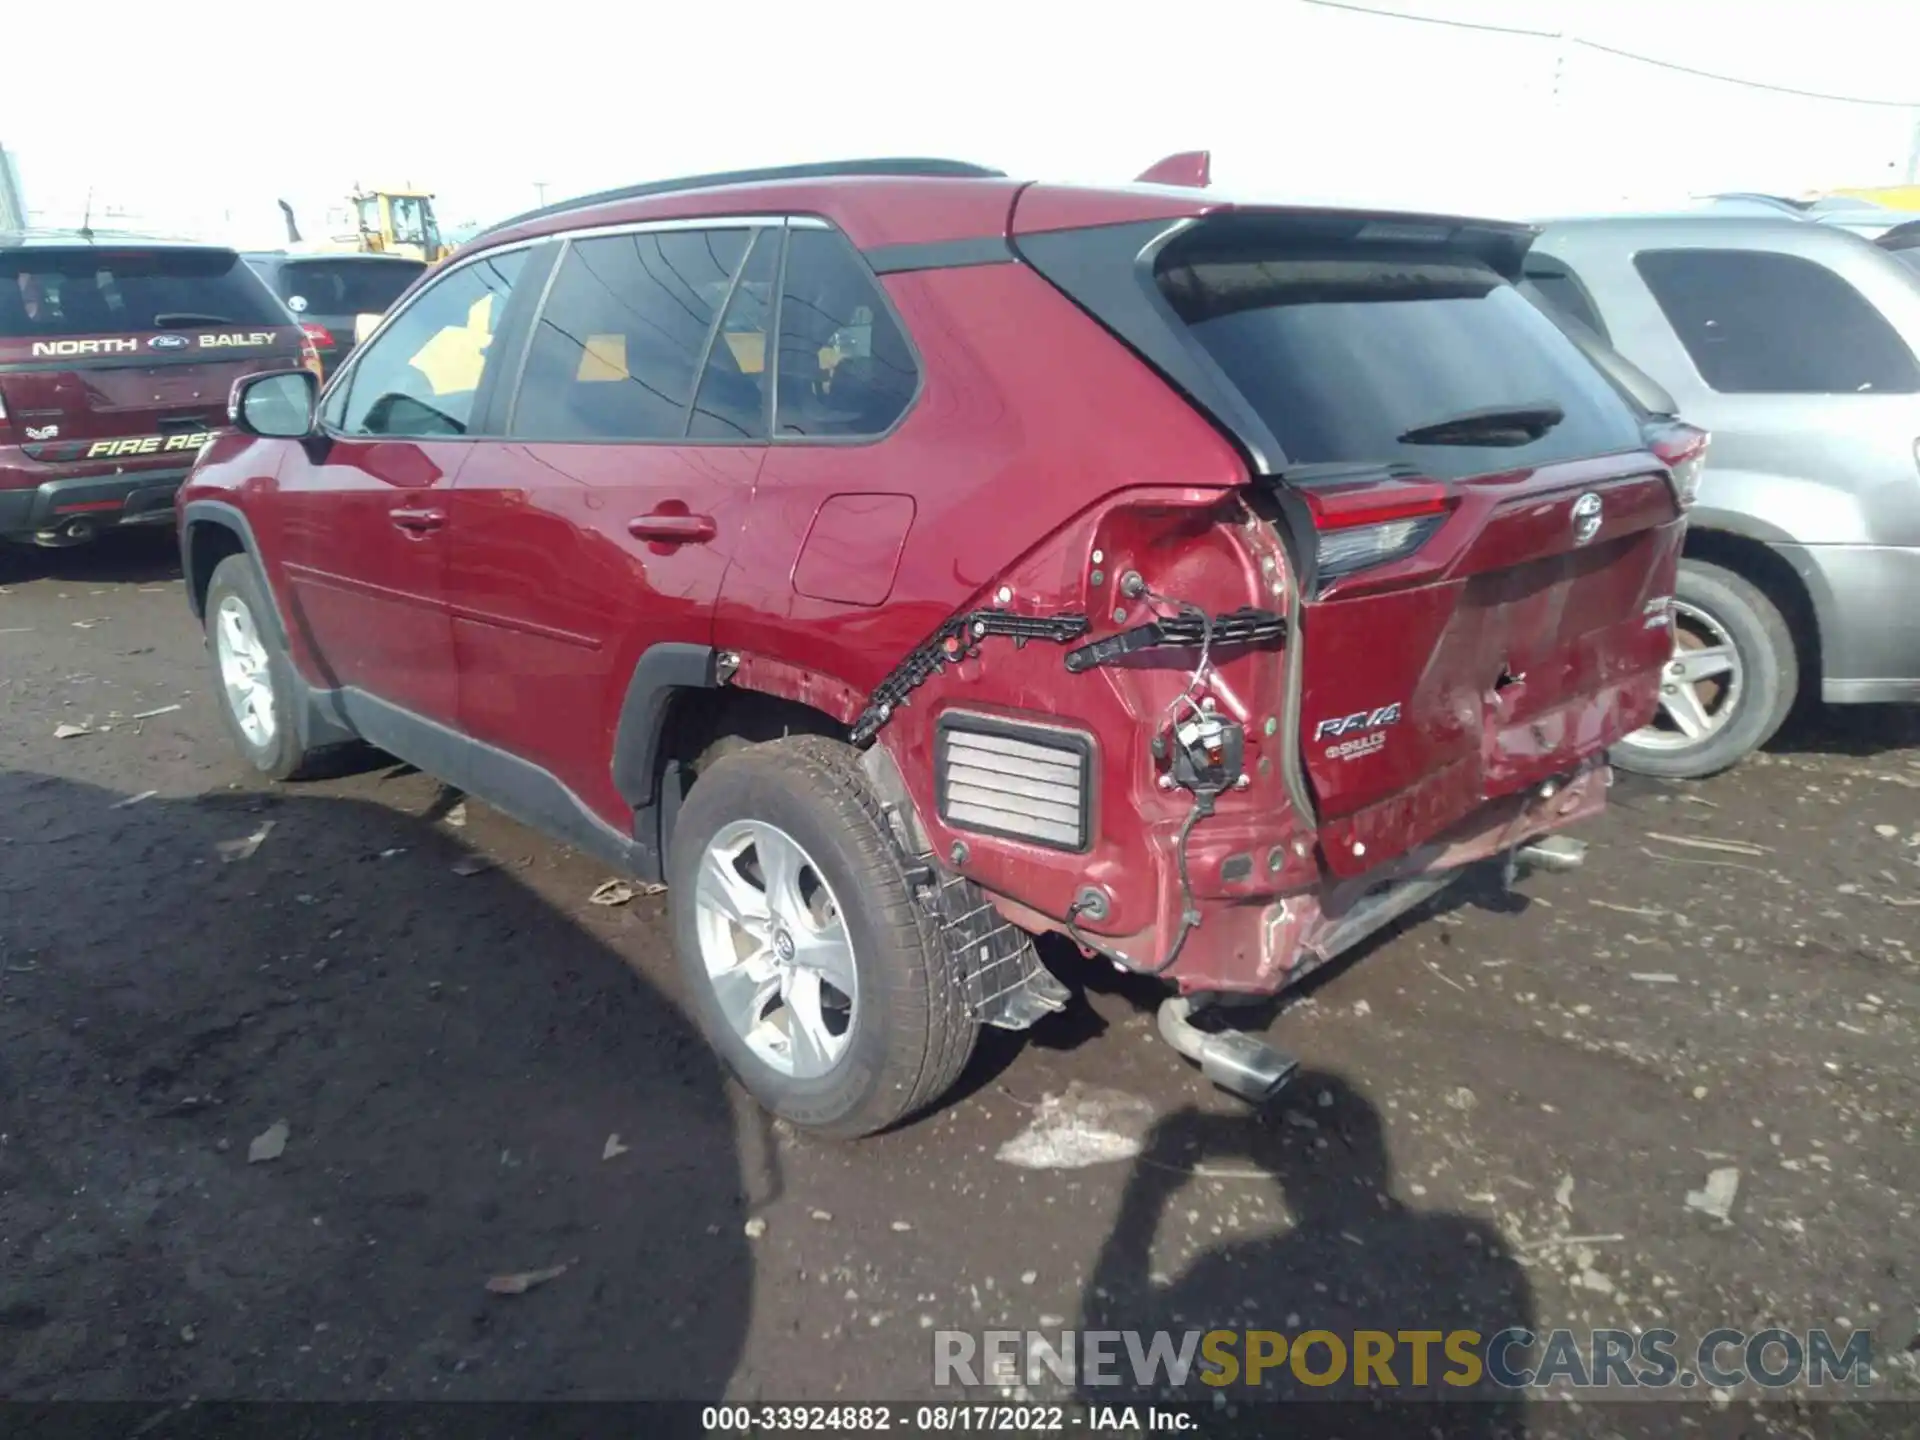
{"points": [[1237, 1062], [1555, 853]]}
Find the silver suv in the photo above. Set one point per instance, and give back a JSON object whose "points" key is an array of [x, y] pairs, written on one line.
{"points": [[1794, 345]]}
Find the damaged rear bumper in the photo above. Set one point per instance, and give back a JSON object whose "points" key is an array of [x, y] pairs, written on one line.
{"points": [[1263, 948]]}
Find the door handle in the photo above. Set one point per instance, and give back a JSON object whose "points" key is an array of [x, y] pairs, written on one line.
{"points": [[673, 529], [418, 522]]}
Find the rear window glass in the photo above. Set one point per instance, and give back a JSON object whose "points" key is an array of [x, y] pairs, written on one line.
{"points": [[1423, 359], [1760, 323], [101, 291], [343, 287]]}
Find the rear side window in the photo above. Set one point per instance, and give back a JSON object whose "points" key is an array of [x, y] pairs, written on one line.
{"points": [[623, 333], [1420, 358], [1548, 282], [420, 376], [845, 370], [1756, 322], [102, 291], [343, 287]]}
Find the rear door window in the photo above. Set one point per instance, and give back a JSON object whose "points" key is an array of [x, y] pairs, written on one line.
{"points": [[1367, 356], [344, 287], [420, 376], [845, 370], [1760, 323], [623, 333], [91, 290]]}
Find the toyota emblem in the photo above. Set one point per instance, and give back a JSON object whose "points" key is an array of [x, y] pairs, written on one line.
{"points": [[1586, 518]]}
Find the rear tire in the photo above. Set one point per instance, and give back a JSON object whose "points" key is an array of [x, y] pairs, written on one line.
{"points": [[254, 683], [888, 1030], [1717, 611]]}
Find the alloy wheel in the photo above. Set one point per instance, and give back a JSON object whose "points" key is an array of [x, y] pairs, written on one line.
{"points": [[774, 943], [245, 673], [1700, 687]]}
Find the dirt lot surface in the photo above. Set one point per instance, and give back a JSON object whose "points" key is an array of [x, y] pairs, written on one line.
{"points": [[1502, 1112]]}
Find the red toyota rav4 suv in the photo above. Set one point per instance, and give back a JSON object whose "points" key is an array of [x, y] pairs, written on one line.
{"points": [[116, 358], [904, 561]]}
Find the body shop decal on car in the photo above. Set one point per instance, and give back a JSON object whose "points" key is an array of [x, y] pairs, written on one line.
{"points": [[43, 432], [1339, 725], [1354, 749]]}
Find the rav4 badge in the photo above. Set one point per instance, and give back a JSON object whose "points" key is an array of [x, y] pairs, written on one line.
{"points": [[1360, 720]]}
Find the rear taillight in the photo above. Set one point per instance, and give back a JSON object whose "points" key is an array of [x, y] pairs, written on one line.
{"points": [[318, 334], [1684, 448], [309, 356], [4, 426], [1365, 526]]}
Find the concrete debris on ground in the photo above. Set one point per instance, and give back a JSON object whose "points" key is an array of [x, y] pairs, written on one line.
{"points": [[521, 1281], [1716, 1199], [1084, 1125], [619, 892], [269, 1144], [244, 847]]}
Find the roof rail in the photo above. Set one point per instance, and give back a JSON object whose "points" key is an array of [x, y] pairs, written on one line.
{"points": [[951, 169]]}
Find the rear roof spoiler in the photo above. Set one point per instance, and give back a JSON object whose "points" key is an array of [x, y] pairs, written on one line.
{"points": [[1191, 168]]}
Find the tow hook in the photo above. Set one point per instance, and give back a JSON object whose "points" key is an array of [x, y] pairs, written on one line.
{"points": [[1232, 1059]]}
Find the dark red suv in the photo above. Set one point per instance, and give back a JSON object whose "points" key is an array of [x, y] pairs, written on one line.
{"points": [[903, 561], [116, 358]]}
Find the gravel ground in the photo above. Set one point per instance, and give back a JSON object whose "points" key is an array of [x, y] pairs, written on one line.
{"points": [[1502, 1111]]}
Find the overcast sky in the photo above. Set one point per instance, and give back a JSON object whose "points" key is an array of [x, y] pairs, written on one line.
{"points": [[197, 114]]}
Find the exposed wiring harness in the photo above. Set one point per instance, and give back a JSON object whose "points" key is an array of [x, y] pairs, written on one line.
{"points": [[1189, 916], [1203, 798]]}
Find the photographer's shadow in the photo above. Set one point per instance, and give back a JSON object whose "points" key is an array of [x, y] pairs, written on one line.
{"points": [[1355, 1257]]}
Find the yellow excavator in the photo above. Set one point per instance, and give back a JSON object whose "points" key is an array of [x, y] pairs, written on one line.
{"points": [[397, 221], [1894, 197]]}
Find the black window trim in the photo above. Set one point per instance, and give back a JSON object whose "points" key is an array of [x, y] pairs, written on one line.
{"points": [[770, 361], [340, 382], [509, 400]]}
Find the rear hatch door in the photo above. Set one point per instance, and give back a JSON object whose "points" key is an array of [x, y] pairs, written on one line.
{"points": [[337, 295], [123, 356], [1484, 544]]}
